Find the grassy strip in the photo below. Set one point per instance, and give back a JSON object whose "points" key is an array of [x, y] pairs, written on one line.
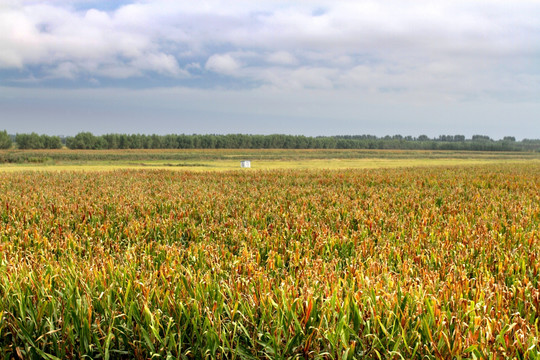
{"points": [[125, 156]]}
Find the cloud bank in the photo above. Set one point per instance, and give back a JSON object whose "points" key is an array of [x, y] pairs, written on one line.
{"points": [[369, 60], [456, 48]]}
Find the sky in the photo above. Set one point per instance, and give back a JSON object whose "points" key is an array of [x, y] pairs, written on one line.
{"points": [[380, 67]]}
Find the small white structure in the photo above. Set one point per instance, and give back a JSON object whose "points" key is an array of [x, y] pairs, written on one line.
{"points": [[245, 164]]}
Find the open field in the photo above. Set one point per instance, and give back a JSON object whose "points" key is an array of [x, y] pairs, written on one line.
{"points": [[416, 263], [223, 160]]}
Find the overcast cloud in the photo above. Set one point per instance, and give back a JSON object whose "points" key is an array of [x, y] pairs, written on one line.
{"points": [[304, 67]]}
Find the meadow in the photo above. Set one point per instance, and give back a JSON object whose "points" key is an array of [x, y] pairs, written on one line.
{"points": [[407, 262], [229, 159]]}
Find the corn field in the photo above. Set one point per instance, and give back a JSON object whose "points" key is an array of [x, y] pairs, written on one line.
{"points": [[420, 263]]}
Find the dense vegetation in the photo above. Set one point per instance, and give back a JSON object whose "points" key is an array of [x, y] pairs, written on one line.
{"points": [[218, 156], [86, 140], [35, 141], [418, 263], [240, 141], [5, 140]]}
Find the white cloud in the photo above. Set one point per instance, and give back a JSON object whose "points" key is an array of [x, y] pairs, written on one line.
{"points": [[223, 64], [92, 40], [282, 58], [65, 70], [426, 46], [193, 66], [160, 63]]}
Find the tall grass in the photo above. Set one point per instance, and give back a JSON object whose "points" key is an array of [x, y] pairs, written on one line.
{"points": [[405, 264]]}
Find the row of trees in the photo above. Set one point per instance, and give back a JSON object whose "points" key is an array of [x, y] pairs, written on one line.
{"points": [[30, 141], [87, 140]]}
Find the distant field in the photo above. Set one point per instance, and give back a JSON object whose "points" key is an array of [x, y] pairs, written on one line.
{"points": [[435, 262], [219, 160]]}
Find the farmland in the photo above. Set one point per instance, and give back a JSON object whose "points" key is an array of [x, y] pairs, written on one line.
{"points": [[229, 159], [328, 262]]}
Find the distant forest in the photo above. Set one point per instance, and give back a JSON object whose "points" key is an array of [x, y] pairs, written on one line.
{"points": [[86, 140]]}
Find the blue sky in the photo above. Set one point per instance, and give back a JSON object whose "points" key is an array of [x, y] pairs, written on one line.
{"points": [[380, 67]]}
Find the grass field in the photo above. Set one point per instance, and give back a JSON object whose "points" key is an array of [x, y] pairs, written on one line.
{"points": [[223, 160], [429, 262]]}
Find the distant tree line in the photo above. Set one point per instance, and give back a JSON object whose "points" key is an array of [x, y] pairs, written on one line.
{"points": [[30, 141], [87, 140]]}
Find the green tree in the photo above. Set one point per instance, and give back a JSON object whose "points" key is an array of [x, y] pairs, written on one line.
{"points": [[51, 142], [481, 138], [29, 141], [5, 140], [85, 140]]}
